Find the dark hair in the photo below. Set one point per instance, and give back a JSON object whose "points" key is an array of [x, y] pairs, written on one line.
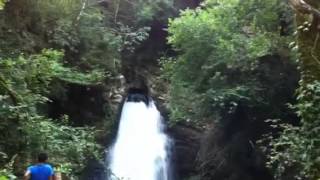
{"points": [[42, 157]]}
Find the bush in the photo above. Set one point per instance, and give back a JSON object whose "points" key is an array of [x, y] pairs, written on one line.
{"points": [[295, 154], [25, 84], [220, 47]]}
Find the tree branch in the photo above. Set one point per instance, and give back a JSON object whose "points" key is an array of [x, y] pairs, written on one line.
{"points": [[304, 8], [117, 11], [13, 95], [84, 4]]}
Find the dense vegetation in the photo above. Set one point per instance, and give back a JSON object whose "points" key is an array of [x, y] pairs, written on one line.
{"points": [[49, 51], [245, 72], [236, 68], [220, 48]]}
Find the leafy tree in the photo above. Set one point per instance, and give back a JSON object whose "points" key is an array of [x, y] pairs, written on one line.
{"points": [[220, 46]]}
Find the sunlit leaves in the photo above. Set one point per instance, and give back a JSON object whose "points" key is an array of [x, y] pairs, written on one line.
{"points": [[2, 3], [219, 46]]}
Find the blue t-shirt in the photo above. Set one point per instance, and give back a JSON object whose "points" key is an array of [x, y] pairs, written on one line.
{"points": [[41, 171]]}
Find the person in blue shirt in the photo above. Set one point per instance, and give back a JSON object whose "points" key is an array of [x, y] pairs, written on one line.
{"points": [[40, 171]]}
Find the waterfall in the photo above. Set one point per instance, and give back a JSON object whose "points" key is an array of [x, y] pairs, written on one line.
{"points": [[140, 149]]}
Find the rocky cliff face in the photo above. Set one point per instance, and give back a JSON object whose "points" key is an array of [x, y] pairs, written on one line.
{"points": [[229, 152], [186, 141]]}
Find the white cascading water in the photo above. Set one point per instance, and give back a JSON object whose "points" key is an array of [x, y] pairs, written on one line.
{"points": [[140, 149]]}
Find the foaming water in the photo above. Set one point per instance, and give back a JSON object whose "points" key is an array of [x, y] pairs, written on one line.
{"points": [[140, 150]]}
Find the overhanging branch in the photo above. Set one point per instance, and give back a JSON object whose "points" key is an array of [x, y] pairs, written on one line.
{"points": [[304, 8]]}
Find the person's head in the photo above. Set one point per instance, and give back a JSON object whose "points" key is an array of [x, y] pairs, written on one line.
{"points": [[42, 157]]}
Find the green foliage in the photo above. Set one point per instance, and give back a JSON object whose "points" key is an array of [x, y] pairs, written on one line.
{"points": [[81, 32], [149, 10], [219, 48], [25, 85], [100, 46], [295, 154], [90, 37], [2, 3], [139, 13], [295, 151], [67, 146], [37, 71], [7, 172]]}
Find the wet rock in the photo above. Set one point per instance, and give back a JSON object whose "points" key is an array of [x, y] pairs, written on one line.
{"points": [[186, 146]]}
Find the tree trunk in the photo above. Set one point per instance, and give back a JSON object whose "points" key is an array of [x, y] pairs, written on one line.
{"points": [[308, 38]]}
